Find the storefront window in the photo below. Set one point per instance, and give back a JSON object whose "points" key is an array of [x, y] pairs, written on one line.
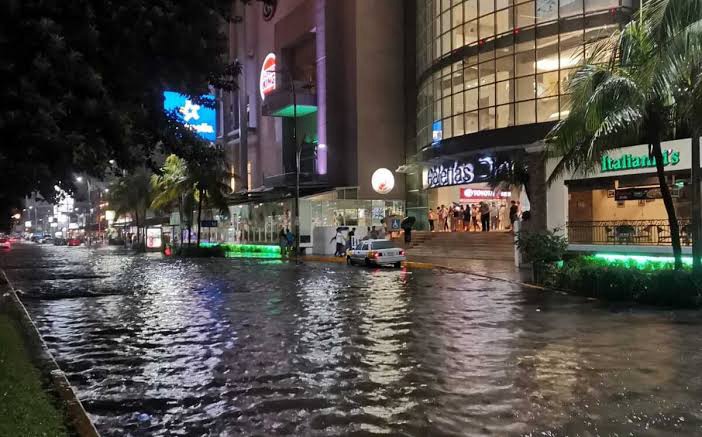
{"points": [[500, 40]]}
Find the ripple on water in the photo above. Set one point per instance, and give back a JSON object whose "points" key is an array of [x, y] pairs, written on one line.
{"points": [[234, 347]]}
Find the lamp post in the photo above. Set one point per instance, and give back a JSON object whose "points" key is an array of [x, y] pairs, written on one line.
{"points": [[298, 151], [90, 202]]}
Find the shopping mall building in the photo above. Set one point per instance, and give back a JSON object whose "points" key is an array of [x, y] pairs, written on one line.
{"points": [[490, 84], [438, 93]]}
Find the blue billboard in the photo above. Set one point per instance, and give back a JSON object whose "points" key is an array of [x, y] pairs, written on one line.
{"points": [[199, 118]]}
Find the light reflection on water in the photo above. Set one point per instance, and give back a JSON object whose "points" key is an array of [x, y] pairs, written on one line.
{"points": [[239, 347]]}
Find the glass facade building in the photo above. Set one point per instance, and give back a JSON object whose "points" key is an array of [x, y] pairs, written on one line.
{"points": [[492, 64]]}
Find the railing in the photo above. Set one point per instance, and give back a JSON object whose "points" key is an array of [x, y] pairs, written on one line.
{"points": [[636, 232]]}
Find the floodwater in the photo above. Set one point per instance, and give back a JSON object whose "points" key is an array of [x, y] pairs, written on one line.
{"points": [[228, 347]]}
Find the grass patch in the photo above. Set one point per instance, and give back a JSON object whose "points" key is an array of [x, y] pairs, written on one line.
{"points": [[26, 409]]}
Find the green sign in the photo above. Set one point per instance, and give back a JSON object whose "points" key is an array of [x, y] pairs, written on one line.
{"points": [[631, 162]]}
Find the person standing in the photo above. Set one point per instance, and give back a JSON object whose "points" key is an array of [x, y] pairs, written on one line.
{"points": [[513, 214], [485, 216], [291, 241], [445, 218], [494, 214], [431, 217], [476, 214], [374, 234], [504, 217], [455, 218], [340, 242], [466, 219], [352, 234], [283, 241]]}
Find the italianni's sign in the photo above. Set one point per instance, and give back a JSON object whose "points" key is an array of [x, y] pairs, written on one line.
{"points": [[631, 162]]}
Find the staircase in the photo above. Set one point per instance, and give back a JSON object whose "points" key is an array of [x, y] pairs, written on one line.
{"points": [[466, 245]]}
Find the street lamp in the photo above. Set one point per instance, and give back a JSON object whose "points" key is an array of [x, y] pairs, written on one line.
{"points": [[90, 201]]}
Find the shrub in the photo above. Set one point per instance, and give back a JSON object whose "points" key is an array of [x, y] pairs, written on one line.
{"points": [[542, 247], [623, 281], [200, 252]]}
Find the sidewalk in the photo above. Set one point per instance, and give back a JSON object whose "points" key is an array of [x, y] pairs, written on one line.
{"points": [[505, 270]]}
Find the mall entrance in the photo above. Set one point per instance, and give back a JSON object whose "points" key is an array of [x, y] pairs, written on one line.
{"points": [[465, 208]]}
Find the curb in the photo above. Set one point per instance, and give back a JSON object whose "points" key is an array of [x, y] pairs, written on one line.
{"points": [[78, 418], [342, 260]]}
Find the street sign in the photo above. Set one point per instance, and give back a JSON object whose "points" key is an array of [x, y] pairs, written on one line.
{"points": [[208, 223]]}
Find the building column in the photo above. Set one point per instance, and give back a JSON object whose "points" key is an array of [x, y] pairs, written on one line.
{"points": [[536, 162], [321, 54]]}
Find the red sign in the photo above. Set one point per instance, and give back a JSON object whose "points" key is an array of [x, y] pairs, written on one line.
{"points": [[483, 194], [266, 83]]}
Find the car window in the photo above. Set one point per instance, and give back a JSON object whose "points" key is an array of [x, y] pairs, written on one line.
{"points": [[383, 245], [365, 246], [359, 246]]}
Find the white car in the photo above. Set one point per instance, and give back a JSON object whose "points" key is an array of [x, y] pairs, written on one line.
{"points": [[376, 252]]}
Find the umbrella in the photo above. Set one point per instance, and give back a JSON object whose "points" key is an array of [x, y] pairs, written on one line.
{"points": [[408, 222]]}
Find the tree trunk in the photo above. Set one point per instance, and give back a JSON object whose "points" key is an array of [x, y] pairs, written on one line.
{"points": [[136, 219], [527, 190], [199, 218], [696, 205], [668, 202], [180, 220]]}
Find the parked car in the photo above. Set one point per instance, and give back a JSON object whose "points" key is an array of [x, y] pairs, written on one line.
{"points": [[58, 241], [376, 252], [48, 239], [5, 243], [74, 242]]}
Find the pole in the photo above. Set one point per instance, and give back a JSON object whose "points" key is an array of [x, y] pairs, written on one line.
{"points": [[298, 150], [696, 205]]}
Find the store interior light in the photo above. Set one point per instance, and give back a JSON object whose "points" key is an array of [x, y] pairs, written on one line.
{"points": [[289, 111]]}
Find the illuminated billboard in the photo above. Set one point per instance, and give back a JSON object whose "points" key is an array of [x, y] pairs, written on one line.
{"points": [[199, 118]]}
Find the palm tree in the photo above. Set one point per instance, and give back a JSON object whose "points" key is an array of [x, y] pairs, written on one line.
{"points": [[132, 194], [616, 99], [511, 172], [677, 26], [209, 176], [174, 188]]}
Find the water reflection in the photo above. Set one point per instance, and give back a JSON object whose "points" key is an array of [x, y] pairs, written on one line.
{"points": [[241, 347]]}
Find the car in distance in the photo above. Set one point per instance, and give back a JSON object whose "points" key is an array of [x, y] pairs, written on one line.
{"points": [[58, 241], [73, 241], [5, 243], [376, 252]]}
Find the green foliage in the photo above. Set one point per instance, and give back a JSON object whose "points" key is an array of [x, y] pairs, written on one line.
{"points": [[83, 81], [542, 247], [131, 194], [512, 171], [626, 282], [193, 251], [26, 409]]}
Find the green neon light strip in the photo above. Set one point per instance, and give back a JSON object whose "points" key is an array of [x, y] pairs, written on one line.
{"points": [[247, 250], [289, 111], [641, 260]]}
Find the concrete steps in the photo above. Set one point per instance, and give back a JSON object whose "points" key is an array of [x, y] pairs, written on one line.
{"points": [[465, 245]]}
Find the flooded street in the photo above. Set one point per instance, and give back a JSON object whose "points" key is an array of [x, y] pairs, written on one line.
{"points": [[228, 347]]}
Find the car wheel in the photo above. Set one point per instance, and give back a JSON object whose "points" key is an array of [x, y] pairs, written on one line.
{"points": [[349, 261], [398, 265], [368, 263]]}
